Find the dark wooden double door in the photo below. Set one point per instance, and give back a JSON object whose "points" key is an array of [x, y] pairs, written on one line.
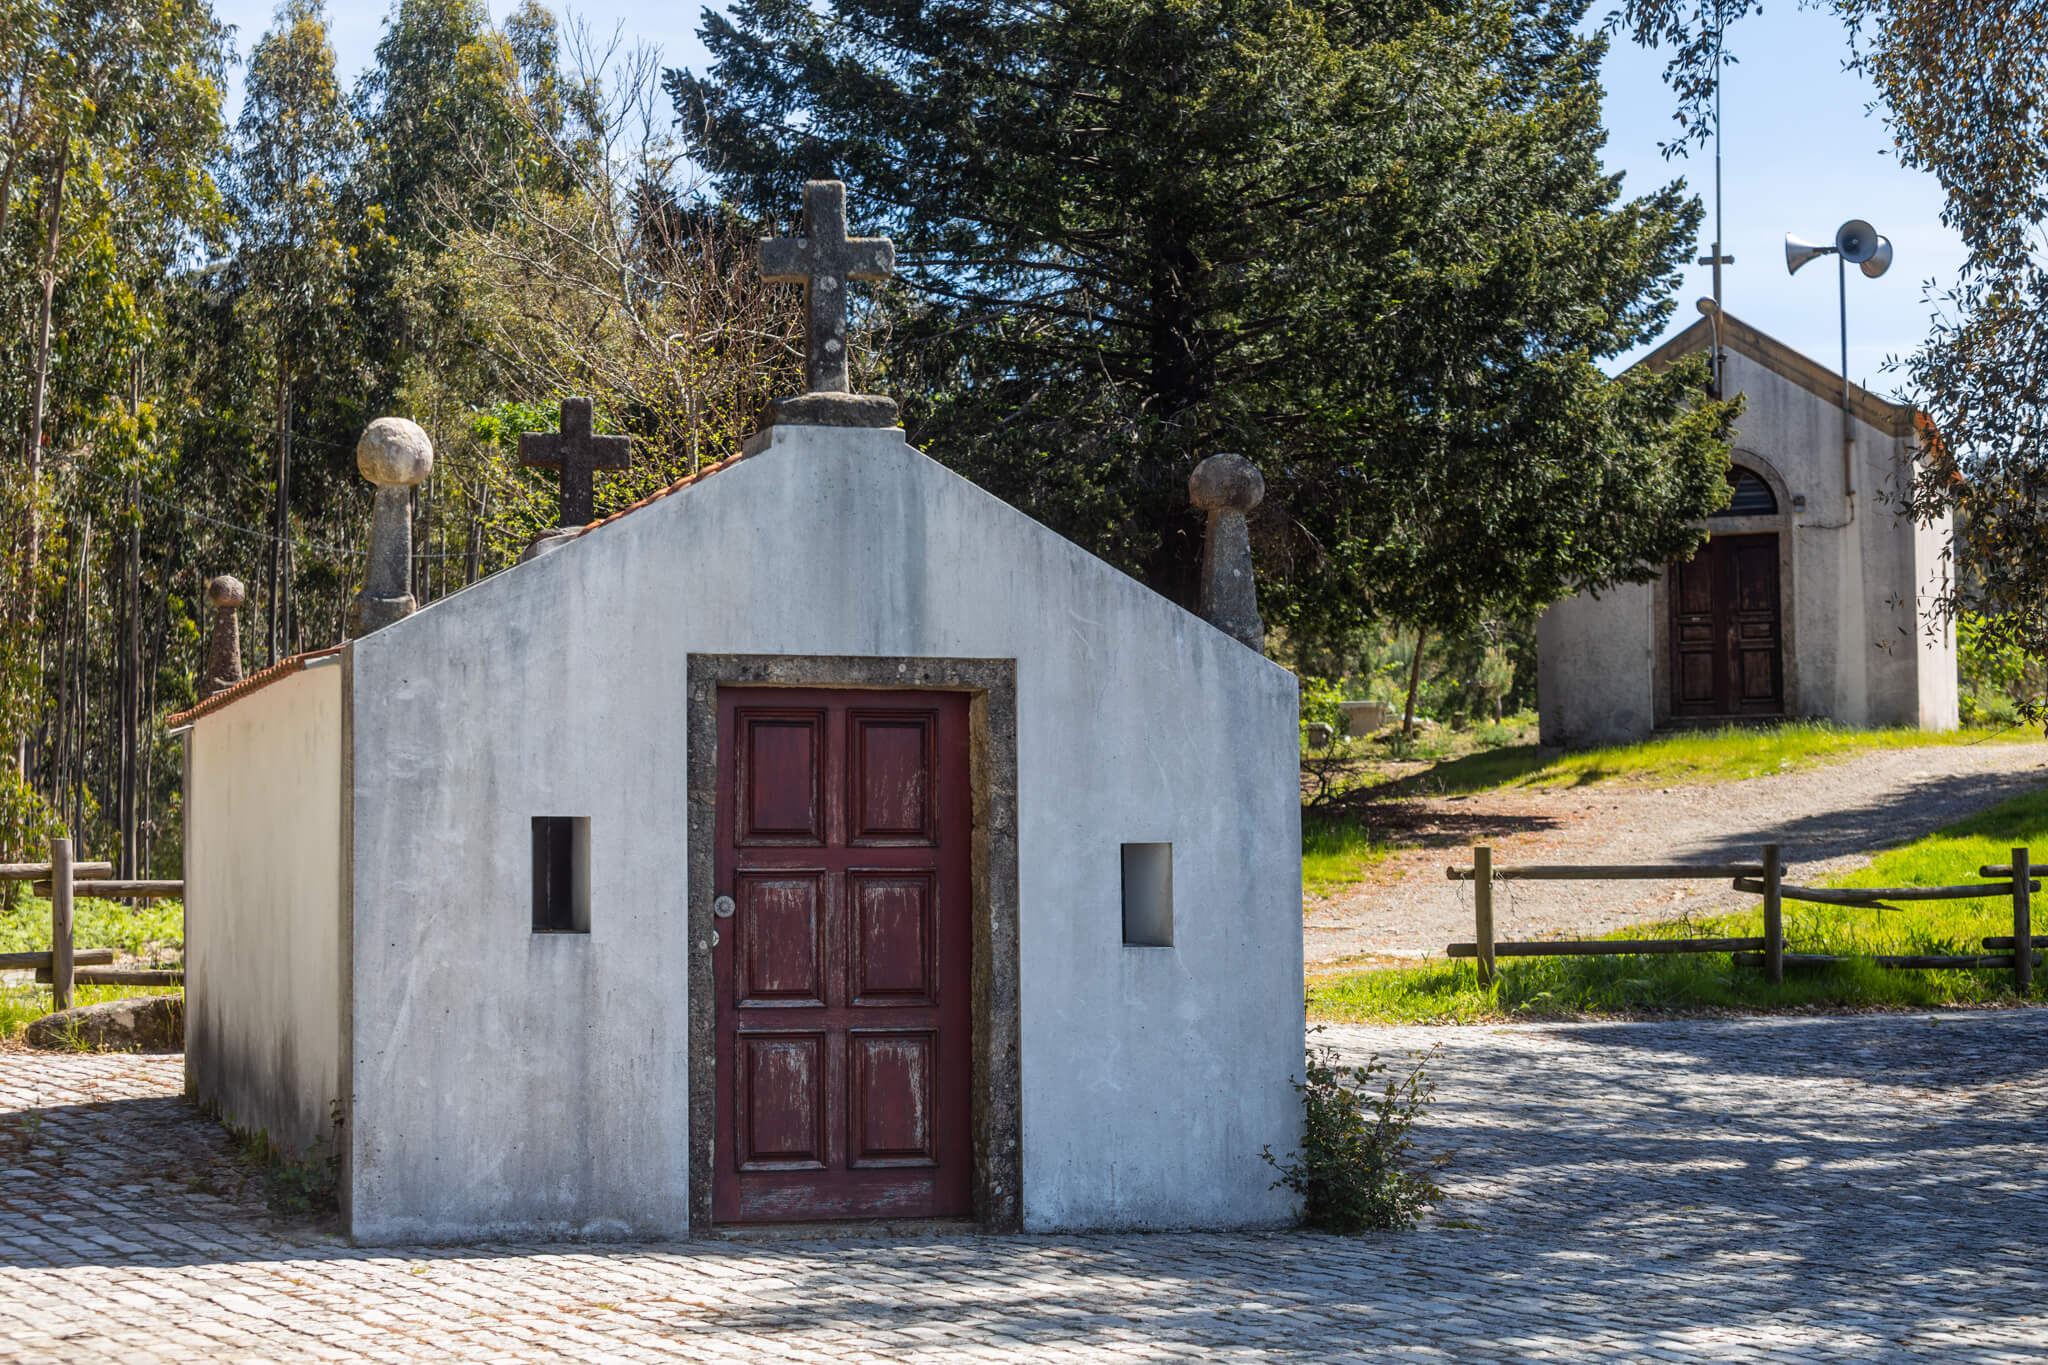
{"points": [[1727, 658], [844, 1047]]}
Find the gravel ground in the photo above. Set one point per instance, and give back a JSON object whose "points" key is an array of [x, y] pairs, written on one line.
{"points": [[1828, 819]]}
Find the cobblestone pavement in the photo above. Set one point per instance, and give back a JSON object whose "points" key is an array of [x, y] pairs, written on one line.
{"points": [[1741, 1190]]}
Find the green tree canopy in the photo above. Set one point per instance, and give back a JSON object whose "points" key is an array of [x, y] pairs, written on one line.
{"points": [[1371, 247]]}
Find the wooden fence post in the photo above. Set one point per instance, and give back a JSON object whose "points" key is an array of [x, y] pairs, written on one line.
{"points": [[2022, 924], [1774, 916], [1482, 910], [60, 924]]}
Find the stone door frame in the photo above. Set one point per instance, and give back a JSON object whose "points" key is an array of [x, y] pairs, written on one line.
{"points": [[997, 1102]]}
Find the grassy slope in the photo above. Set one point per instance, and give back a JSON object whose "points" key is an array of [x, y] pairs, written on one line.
{"points": [[1723, 755], [156, 933], [1564, 986]]}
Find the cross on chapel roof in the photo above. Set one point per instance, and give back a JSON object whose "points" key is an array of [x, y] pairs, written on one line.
{"points": [[576, 452], [822, 260]]}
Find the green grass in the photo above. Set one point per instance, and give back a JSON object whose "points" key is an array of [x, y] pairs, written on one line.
{"points": [[155, 933], [1553, 987], [1336, 854], [1723, 755]]}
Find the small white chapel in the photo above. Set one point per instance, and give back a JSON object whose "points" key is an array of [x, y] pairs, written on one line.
{"points": [[1811, 598], [821, 840]]}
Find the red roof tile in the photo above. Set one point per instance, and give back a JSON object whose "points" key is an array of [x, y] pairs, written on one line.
{"points": [[255, 682]]}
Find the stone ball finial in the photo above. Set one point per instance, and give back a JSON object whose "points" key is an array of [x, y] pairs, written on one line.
{"points": [[395, 452], [1226, 481], [226, 591]]}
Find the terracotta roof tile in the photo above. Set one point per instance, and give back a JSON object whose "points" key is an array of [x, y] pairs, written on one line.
{"points": [[255, 682]]}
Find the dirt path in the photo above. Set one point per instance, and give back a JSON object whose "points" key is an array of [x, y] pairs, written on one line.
{"points": [[1829, 819]]}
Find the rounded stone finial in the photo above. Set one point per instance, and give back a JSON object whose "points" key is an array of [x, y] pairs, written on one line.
{"points": [[1226, 481], [226, 591], [395, 452]]}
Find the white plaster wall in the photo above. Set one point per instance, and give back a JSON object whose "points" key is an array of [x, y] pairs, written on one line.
{"points": [[1595, 668], [507, 1083], [1855, 598], [264, 935]]}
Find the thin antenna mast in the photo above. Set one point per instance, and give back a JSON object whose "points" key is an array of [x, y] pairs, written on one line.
{"points": [[1716, 259]]}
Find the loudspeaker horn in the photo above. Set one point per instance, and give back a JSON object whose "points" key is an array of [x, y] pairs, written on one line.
{"points": [[1798, 253], [1857, 241], [1880, 260]]}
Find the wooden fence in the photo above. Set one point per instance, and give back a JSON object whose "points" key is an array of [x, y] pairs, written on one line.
{"points": [[1766, 879], [63, 880]]}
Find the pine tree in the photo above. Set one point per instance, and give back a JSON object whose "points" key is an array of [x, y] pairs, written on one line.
{"points": [[1371, 247]]}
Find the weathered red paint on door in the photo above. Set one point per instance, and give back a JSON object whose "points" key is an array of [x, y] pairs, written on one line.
{"points": [[1725, 652], [843, 973]]}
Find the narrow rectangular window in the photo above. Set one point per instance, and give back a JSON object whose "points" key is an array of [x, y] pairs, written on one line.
{"points": [[561, 874], [1148, 895]]}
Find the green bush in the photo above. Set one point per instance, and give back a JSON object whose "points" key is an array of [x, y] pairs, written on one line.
{"points": [[1321, 701], [1354, 1172]]}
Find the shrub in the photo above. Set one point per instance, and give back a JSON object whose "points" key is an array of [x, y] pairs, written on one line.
{"points": [[1321, 700], [1355, 1171]]}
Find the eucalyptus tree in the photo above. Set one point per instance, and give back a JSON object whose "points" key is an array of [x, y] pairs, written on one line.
{"points": [[295, 148]]}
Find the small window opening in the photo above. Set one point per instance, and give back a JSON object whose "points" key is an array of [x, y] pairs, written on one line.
{"points": [[1748, 495], [561, 874], [1148, 895]]}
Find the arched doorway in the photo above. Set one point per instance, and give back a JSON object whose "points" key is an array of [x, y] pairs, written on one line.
{"points": [[1727, 619]]}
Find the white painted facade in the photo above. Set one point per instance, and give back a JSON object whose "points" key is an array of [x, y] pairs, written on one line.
{"points": [[500, 1083], [1862, 641]]}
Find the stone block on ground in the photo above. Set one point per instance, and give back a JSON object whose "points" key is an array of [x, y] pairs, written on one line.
{"points": [[149, 1023]]}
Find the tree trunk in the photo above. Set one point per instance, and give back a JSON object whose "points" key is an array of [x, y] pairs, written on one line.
{"points": [[40, 383], [280, 524], [15, 128], [1414, 682]]}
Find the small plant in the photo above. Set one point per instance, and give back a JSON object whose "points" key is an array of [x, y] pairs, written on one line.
{"points": [[295, 1187], [1354, 1171]]}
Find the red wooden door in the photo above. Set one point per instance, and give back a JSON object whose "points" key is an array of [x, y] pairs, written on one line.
{"points": [[1726, 655], [844, 819]]}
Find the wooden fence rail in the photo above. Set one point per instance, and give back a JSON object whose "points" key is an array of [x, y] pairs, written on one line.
{"points": [[1765, 879], [64, 965]]}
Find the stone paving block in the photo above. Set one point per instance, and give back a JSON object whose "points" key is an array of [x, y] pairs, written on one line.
{"points": [[1744, 1190]]}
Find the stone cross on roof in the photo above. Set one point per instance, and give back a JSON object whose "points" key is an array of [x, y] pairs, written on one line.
{"points": [[822, 260], [576, 453]]}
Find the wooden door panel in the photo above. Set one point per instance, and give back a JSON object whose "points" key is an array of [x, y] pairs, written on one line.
{"points": [[1696, 679], [782, 778], [891, 769], [781, 1088], [894, 929], [778, 928], [845, 1037], [893, 1075], [1726, 656]]}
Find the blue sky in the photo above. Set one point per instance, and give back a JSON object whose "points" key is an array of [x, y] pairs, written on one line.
{"points": [[1800, 154]]}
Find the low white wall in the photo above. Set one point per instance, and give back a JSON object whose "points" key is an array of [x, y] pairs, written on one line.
{"points": [[263, 926], [1595, 668], [511, 1083]]}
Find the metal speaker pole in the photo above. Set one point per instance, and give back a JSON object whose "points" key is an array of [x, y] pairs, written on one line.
{"points": [[1798, 253], [1857, 241]]}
